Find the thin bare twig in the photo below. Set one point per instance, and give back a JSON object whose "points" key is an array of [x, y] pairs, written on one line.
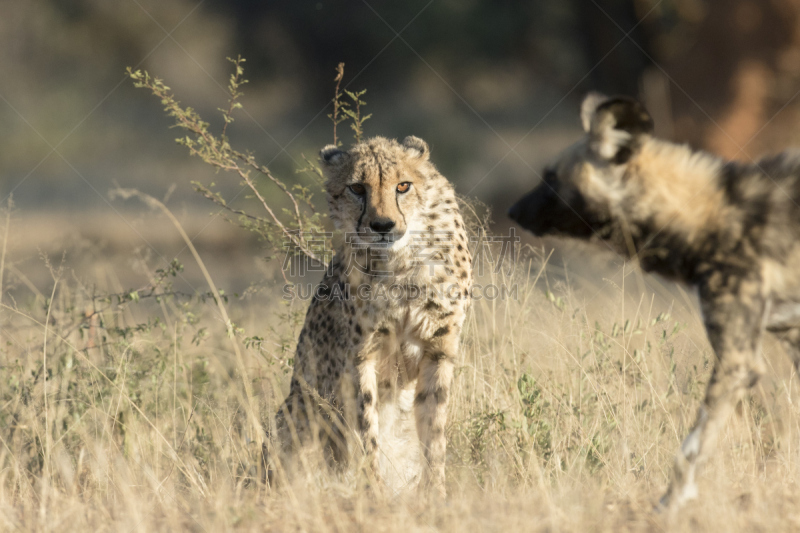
{"points": [[336, 96]]}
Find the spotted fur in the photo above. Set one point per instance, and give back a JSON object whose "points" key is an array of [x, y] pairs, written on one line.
{"points": [[729, 229], [381, 336]]}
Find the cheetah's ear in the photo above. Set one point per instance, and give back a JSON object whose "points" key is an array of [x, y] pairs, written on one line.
{"points": [[615, 126], [416, 147], [332, 157]]}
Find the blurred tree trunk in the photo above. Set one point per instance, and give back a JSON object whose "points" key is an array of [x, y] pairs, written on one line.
{"points": [[617, 62], [734, 65]]}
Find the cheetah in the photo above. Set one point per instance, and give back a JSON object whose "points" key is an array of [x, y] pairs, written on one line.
{"points": [[729, 229], [381, 335]]}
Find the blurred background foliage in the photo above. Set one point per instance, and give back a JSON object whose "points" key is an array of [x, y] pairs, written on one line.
{"points": [[494, 88]]}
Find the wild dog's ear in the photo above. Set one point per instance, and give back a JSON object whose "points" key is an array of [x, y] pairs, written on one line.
{"points": [[615, 125], [332, 157], [589, 106], [416, 147]]}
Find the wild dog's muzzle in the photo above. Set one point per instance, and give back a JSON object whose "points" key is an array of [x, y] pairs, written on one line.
{"points": [[544, 212]]}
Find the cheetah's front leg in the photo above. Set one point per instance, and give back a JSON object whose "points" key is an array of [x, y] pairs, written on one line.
{"points": [[368, 414], [430, 408]]}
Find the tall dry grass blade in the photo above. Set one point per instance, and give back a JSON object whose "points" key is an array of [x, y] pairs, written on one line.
{"points": [[153, 202]]}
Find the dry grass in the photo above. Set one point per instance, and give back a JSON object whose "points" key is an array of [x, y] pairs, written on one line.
{"points": [[563, 419]]}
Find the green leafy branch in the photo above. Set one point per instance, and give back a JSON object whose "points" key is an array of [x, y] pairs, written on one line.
{"points": [[215, 150], [343, 110], [358, 121], [301, 222]]}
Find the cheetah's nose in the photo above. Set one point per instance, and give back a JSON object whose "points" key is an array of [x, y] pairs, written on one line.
{"points": [[381, 226]]}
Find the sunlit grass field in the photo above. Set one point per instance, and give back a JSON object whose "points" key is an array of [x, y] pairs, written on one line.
{"points": [[139, 408]]}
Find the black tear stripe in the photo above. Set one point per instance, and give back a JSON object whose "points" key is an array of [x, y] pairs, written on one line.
{"points": [[397, 202], [363, 211]]}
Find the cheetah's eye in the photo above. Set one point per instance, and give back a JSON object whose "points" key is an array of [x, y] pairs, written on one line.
{"points": [[403, 187], [358, 189]]}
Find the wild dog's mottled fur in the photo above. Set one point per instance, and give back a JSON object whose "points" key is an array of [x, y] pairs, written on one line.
{"points": [[383, 357], [732, 230]]}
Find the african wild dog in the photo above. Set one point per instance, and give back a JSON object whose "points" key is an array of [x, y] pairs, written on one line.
{"points": [[381, 335], [729, 229]]}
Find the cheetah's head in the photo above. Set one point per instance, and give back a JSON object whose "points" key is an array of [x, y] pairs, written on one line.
{"points": [[376, 190]]}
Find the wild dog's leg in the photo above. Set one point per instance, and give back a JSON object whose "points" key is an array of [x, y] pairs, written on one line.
{"points": [[733, 309], [430, 405], [791, 342], [784, 323]]}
